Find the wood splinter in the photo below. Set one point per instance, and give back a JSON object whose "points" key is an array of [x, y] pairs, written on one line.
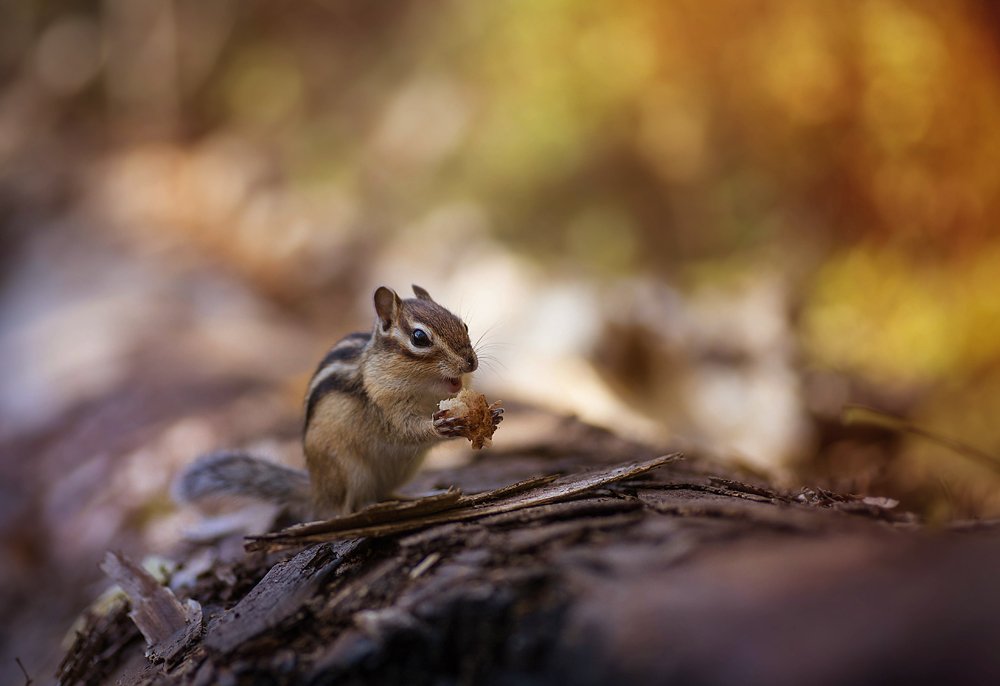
{"points": [[165, 622]]}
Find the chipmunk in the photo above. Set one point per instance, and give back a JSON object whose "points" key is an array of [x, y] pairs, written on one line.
{"points": [[370, 414]]}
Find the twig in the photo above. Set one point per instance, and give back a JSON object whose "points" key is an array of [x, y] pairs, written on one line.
{"points": [[27, 679], [867, 416], [394, 518]]}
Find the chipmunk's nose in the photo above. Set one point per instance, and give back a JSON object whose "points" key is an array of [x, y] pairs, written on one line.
{"points": [[471, 363]]}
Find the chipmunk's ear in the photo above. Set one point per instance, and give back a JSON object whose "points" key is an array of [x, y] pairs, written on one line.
{"points": [[387, 305], [421, 293]]}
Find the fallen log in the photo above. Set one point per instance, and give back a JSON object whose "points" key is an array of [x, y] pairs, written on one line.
{"points": [[543, 567]]}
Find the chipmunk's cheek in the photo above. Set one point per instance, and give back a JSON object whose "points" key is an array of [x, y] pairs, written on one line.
{"points": [[448, 386], [443, 387]]}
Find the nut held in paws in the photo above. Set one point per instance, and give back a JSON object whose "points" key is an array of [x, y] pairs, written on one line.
{"points": [[480, 418]]}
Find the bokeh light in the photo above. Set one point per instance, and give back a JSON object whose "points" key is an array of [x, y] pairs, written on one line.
{"points": [[707, 222]]}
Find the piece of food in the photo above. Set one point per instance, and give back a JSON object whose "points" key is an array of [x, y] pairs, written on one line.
{"points": [[479, 417]]}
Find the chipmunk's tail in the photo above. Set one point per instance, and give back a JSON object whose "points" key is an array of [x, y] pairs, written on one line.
{"points": [[237, 473]]}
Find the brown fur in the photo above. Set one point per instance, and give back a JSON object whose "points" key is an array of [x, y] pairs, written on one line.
{"points": [[369, 408], [361, 447]]}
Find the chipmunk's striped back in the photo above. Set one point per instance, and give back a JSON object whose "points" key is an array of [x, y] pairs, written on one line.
{"points": [[338, 372]]}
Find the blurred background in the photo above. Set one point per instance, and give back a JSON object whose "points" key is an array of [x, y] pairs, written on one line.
{"points": [[711, 224]]}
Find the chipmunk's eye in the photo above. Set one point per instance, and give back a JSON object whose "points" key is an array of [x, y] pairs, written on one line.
{"points": [[420, 338]]}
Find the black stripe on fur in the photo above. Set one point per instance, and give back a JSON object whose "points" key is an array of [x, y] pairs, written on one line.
{"points": [[339, 382], [346, 349]]}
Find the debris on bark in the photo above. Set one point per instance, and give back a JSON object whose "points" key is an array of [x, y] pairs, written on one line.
{"points": [[165, 623], [394, 517]]}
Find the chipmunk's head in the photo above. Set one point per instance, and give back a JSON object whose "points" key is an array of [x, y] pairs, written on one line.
{"points": [[429, 345]]}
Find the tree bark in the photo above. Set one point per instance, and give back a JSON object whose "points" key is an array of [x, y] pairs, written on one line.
{"points": [[684, 573]]}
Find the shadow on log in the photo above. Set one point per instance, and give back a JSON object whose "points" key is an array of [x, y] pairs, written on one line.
{"points": [[613, 567]]}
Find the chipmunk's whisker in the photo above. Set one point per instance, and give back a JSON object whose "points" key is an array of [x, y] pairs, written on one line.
{"points": [[488, 366], [484, 334], [490, 359]]}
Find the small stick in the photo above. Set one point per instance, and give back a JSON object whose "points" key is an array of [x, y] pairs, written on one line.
{"points": [[865, 416], [27, 679]]}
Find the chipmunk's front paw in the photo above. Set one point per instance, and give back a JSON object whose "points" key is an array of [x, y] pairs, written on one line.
{"points": [[496, 414], [447, 426]]}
